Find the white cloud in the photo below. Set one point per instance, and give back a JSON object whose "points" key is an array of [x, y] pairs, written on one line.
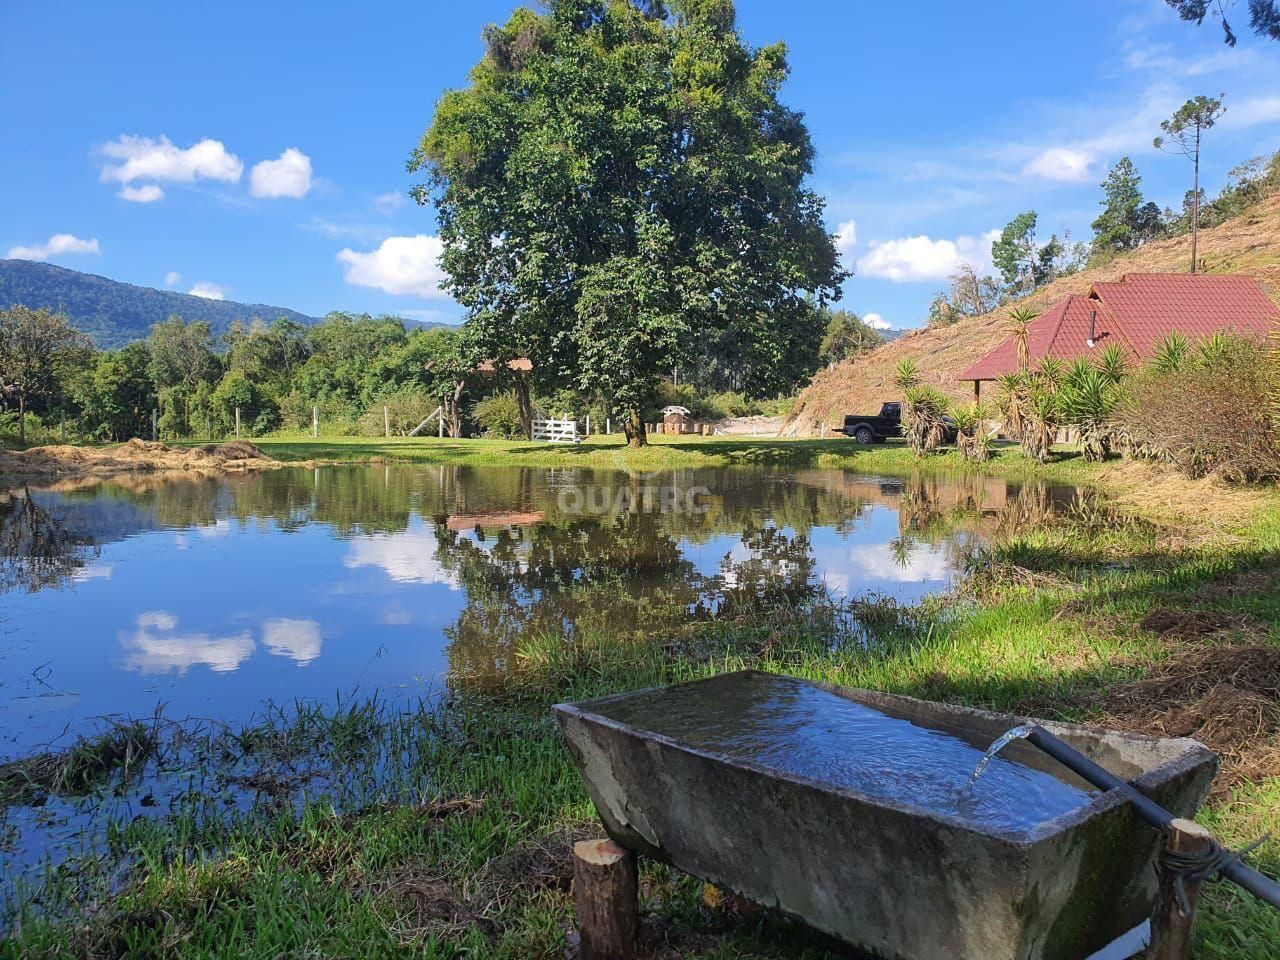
{"points": [[142, 158], [388, 203], [297, 639], [876, 322], [57, 245], [913, 259], [846, 240], [408, 557], [147, 193], [210, 291], [1063, 164], [172, 278], [400, 265], [288, 176]]}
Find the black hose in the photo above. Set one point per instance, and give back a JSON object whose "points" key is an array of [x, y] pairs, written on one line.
{"points": [[1262, 887]]}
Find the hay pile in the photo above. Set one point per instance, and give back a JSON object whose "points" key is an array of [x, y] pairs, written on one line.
{"points": [[43, 464], [1227, 697]]}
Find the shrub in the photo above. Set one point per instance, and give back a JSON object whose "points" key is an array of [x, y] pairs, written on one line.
{"points": [[972, 438], [407, 407], [922, 419], [1211, 413], [498, 415]]}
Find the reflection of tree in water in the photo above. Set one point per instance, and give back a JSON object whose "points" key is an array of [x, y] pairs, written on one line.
{"points": [[958, 511], [44, 539], [613, 578]]}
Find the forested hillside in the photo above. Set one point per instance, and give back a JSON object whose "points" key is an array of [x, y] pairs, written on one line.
{"points": [[115, 313]]}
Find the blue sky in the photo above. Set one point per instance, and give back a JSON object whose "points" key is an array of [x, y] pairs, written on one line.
{"points": [[935, 122]]}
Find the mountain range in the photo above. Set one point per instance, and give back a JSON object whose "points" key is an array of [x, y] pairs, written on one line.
{"points": [[115, 313]]}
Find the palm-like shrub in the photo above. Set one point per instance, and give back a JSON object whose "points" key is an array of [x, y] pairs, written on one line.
{"points": [[1171, 354], [1019, 326], [1040, 421], [1086, 401], [1113, 364], [906, 375], [922, 418], [972, 439]]}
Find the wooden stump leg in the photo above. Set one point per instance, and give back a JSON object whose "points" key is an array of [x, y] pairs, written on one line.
{"points": [[1170, 926], [606, 898]]}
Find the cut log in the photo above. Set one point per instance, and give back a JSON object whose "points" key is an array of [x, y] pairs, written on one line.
{"points": [[606, 898], [1171, 926]]}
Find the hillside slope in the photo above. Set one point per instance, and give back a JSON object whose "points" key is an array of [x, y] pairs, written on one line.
{"points": [[115, 313], [1249, 244]]}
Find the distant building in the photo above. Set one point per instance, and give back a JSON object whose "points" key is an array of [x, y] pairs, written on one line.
{"points": [[1135, 314]]}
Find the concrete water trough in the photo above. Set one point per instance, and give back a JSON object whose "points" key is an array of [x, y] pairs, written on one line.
{"points": [[854, 811]]}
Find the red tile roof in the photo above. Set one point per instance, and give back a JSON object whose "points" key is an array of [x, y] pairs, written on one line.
{"points": [[1062, 332], [1137, 313]]}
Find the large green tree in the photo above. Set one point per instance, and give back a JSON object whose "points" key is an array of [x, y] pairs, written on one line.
{"points": [[619, 190], [34, 347]]}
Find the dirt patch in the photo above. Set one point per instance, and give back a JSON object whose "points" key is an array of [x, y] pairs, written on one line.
{"points": [[44, 464], [1227, 697], [1260, 580]]}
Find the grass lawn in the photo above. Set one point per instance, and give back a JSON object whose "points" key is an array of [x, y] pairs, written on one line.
{"points": [[462, 850], [668, 453]]}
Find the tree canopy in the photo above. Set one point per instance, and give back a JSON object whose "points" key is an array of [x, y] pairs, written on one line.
{"points": [[620, 191], [1264, 16]]}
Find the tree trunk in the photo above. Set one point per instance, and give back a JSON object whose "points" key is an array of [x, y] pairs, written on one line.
{"points": [[454, 408], [633, 429], [22, 419], [1195, 203], [526, 405]]}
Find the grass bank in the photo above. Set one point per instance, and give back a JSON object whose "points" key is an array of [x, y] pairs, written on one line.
{"points": [[670, 453], [375, 831]]}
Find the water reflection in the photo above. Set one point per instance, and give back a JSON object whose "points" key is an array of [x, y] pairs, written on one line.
{"points": [[215, 595]]}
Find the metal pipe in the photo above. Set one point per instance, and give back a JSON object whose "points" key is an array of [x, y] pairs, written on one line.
{"points": [[1261, 886]]}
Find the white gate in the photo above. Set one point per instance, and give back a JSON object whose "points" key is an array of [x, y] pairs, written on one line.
{"points": [[556, 431]]}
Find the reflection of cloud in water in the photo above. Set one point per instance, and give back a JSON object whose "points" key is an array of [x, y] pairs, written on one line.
{"points": [[154, 647], [408, 557], [212, 531], [94, 571], [923, 563], [297, 639]]}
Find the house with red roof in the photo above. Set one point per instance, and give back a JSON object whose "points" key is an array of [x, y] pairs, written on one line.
{"points": [[1135, 314]]}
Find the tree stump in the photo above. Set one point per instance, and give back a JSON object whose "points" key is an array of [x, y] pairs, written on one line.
{"points": [[606, 898], [1170, 927]]}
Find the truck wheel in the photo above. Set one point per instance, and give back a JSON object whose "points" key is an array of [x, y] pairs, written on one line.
{"points": [[864, 435]]}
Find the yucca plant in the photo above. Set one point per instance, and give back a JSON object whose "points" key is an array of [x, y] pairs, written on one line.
{"points": [[1019, 323], [1212, 348], [1171, 354], [1113, 364], [906, 374], [1051, 370], [972, 439], [1086, 402], [1077, 372], [1040, 423], [1011, 402], [922, 418]]}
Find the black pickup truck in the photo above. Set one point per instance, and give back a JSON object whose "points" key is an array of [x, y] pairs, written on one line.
{"points": [[874, 429]]}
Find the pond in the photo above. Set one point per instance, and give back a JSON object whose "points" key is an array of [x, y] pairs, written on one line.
{"points": [[207, 601], [212, 597]]}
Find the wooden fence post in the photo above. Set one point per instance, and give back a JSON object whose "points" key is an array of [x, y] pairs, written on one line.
{"points": [[237, 423], [386, 421], [315, 421], [1170, 926], [155, 423], [606, 898]]}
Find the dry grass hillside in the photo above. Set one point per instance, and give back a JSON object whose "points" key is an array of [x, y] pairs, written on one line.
{"points": [[1249, 243]]}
